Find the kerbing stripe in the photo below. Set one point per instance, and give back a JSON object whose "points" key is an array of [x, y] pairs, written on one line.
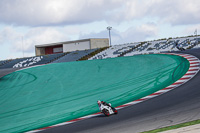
{"points": [[168, 88], [178, 83], [157, 93], [150, 96], [193, 60], [185, 78], [192, 70], [164, 90]]}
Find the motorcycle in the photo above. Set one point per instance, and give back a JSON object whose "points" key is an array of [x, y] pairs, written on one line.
{"points": [[106, 109]]}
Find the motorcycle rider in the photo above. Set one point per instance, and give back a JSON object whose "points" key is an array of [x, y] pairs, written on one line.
{"points": [[102, 103], [105, 104]]}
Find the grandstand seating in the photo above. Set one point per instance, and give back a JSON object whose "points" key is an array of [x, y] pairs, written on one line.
{"points": [[114, 51], [74, 56], [49, 58], [164, 45], [3, 62], [11, 63], [26, 62]]}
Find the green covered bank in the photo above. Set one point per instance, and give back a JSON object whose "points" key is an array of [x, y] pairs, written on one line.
{"points": [[46, 95]]}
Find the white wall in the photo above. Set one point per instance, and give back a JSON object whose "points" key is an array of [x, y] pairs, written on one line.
{"points": [[76, 46]]}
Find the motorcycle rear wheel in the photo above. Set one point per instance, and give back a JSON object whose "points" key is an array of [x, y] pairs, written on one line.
{"points": [[114, 110]]}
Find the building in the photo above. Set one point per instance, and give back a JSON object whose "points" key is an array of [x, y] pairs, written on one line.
{"points": [[62, 47]]}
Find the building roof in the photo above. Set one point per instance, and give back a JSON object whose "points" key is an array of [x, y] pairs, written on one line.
{"points": [[60, 43]]}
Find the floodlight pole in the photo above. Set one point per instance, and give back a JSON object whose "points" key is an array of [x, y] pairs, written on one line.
{"points": [[109, 28]]}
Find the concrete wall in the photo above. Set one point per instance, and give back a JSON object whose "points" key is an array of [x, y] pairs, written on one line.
{"points": [[99, 43], [82, 45]]}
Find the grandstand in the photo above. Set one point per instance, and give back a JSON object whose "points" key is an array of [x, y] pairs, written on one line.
{"points": [[129, 49], [150, 47], [30, 61]]}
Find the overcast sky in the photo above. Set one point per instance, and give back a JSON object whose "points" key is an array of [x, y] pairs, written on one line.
{"points": [[26, 23]]}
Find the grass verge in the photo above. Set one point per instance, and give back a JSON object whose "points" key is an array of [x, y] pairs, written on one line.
{"points": [[173, 127]]}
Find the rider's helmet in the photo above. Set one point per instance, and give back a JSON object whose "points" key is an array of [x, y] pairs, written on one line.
{"points": [[99, 102]]}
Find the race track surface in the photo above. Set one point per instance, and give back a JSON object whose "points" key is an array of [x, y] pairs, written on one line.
{"points": [[177, 106], [4, 72]]}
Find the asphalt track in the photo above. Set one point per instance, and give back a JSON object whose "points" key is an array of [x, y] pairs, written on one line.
{"points": [[177, 106], [4, 72]]}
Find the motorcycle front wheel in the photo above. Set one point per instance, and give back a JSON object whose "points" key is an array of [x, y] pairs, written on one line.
{"points": [[106, 112]]}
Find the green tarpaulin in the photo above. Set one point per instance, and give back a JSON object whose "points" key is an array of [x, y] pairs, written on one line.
{"points": [[42, 96]]}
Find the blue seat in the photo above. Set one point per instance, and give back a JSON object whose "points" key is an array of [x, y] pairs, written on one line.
{"points": [[74, 56]]}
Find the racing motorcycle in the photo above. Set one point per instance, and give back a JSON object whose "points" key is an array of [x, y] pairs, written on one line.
{"points": [[106, 108]]}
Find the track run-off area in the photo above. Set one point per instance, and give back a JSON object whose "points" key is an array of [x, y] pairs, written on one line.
{"points": [[46, 95]]}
